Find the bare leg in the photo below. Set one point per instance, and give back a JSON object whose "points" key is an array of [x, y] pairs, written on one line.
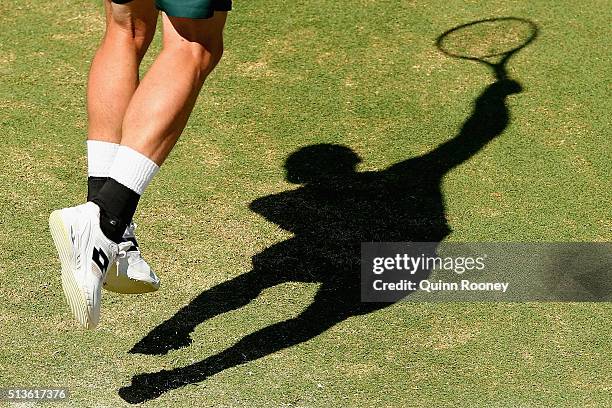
{"points": [[160, 107], [113, 77]]}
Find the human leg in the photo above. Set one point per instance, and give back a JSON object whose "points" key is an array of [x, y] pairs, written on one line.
{"points": [[160, 107], [113, 78], [158, 113]]}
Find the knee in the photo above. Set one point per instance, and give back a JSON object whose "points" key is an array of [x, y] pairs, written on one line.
{"points": [[137, 30], [207, 55], [198, 41], [202, 56]]}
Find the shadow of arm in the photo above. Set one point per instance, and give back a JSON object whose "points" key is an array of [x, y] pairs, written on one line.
{"points": [[489, 119]]}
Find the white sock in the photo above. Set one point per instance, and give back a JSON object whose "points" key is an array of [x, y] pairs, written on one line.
{"points": [[100, 157], [132, 169]]}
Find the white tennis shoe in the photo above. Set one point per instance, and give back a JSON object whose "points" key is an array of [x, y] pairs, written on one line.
{"points": [[131, 273], [86, 256]]}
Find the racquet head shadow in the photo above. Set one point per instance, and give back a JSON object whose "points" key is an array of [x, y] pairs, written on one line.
{"points": [[491, 41]]}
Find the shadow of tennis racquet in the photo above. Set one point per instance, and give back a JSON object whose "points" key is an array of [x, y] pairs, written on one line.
{"points": [[491, 41]]}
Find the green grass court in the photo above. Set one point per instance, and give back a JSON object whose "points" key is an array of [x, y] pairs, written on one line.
{"points": [[362, 74]]}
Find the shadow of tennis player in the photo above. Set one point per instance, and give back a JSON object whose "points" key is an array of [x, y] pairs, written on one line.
{"points": [[331, 213], [333, 210]]}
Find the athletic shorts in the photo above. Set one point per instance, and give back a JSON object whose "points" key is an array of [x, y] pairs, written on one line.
{"points": [[189, 8]]}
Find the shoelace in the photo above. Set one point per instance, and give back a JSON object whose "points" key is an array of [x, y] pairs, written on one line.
{"points": [[122, 248]]}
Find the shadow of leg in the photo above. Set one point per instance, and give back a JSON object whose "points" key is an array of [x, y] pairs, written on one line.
{"points": [[174, 333], [318, 317]]}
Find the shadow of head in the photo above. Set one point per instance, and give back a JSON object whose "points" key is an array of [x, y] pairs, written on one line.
{"points": [[320, 162]]}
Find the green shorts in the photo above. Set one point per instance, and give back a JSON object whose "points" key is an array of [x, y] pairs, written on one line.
{"points": [[189, 8], [193, 8]]}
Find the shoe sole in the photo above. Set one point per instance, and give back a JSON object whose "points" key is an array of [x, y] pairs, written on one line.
{"points": [[127, 286], [74, 295]]}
